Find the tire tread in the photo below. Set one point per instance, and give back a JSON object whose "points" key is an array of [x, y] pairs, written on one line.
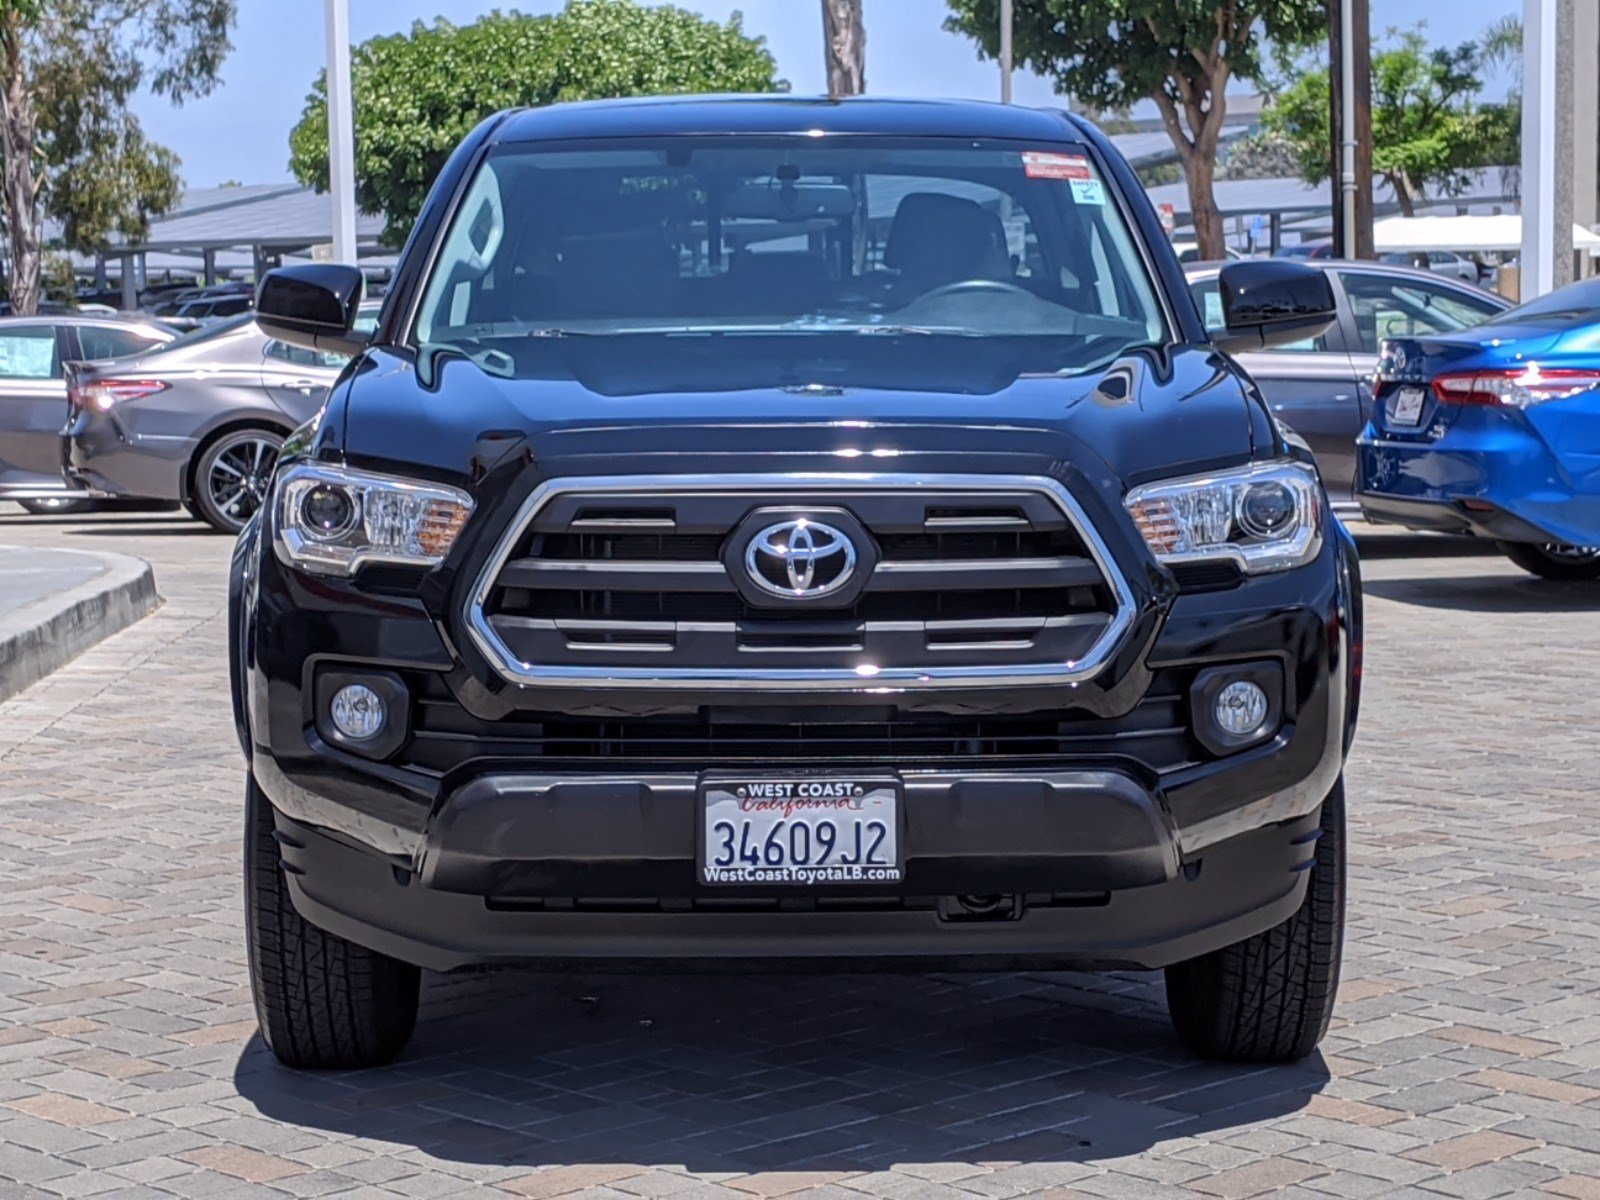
{"points": [[322, 1001], [1269, 998]]}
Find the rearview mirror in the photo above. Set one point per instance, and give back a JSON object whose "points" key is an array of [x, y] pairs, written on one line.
{"points": [[1268, 302], [314, 306], [790, 202]]}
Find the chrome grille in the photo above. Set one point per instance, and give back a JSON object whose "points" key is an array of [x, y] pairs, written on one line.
{"points": [[629, 582]]}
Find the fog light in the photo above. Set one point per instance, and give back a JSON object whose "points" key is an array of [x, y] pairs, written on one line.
{"points": [[358, 712], [1240, 708]]}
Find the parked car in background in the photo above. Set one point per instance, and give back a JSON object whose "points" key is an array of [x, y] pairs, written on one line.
{"points": [[1495, 431], [1440, 262], [1321, 387], [203, 310], [1313, 249], [198, 421], [34, 352], [1189, 252]]}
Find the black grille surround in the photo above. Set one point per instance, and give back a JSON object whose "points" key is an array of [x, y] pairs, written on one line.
{"points": [[630, 582]]}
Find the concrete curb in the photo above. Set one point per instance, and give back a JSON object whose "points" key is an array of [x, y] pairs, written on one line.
{"points": [[49, 633]]}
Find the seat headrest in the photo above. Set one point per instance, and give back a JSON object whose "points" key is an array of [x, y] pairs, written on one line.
{"points": [[935, 238]]}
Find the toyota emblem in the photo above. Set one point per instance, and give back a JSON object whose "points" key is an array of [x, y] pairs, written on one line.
{"points": [[800, 559]]}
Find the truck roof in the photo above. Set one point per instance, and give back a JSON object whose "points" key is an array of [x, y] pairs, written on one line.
{"points": [[784, 114]]}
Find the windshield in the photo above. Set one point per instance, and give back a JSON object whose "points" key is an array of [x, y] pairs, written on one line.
{"points": [[675, 237]]}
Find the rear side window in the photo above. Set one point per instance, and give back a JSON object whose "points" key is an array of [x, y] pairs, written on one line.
{"points": [[299, 356], [29, 352], [103, 341], [1392, 308]]}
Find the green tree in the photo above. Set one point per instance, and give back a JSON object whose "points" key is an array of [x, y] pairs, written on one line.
{"points": [[1182, 54], [1428, 129], [416, 95], [70, 148]]}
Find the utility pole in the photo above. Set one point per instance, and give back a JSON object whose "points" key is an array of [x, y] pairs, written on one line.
{"points": [[341, 134], [1350, 120], [1361, 53], [1006, 23]]}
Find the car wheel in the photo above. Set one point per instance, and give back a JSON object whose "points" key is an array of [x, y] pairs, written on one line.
{"points": [[322, 1002], [55, 506], [1554, 561], [1269, 997], [232, 477]]}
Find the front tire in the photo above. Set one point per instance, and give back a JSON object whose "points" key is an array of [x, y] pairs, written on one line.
{"points": [[232, 477], [1269, 997], [1572, 564], [322, 1002]]}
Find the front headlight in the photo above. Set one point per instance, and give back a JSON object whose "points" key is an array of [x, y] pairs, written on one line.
{"points": [[331, 520], [1266, 517]]}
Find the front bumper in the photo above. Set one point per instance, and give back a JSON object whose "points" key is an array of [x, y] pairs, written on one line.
{"points": [[1238, 888], [1104, 858]]}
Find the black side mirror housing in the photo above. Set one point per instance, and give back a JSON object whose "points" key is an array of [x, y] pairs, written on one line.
{"points": [[313, 305], [1267, 302]]}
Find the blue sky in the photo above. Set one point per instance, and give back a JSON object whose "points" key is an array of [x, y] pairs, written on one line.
{"points": [[241, 131]]}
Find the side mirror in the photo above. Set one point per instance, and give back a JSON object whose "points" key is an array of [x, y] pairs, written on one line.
{"points": [[1267, 302], [313, 306]]}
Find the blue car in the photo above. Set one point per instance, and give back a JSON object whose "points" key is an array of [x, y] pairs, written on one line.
{"points": [[1495, 431]]}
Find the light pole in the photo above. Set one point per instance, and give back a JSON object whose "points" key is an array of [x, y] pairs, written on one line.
{"points": [[1541, 231], [1005, 51], [341, 134]]}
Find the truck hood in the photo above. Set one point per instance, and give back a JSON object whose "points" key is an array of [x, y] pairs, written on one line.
{"points": [[920, 405]]}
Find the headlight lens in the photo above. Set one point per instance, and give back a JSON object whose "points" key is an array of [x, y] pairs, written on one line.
{"points": [[1265, 518], [331, 519]]}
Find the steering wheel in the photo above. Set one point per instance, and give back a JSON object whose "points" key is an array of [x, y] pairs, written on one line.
{"points": [[965, 287]]}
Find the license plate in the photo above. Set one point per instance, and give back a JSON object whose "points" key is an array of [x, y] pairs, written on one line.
{"points": [[1405, 406], [790, 831]]}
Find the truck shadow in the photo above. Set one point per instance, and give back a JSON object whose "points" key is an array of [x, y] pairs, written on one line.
{"points": [[1488, 593], [761, 1073]]}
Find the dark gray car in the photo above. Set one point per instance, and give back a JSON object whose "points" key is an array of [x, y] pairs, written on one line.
{"points": [[1321, 387], [198, 421], [34, 352]]}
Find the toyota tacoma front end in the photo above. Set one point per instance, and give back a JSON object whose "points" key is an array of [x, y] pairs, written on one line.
{"points": [[765, 533]]}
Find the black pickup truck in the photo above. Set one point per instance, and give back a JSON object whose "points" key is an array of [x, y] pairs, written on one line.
{"points": [[770, 533]]}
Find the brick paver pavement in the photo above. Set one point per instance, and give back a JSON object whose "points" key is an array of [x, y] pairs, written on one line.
{"points": [[1465, 1060]]}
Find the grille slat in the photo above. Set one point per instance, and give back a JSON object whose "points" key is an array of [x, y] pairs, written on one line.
{"points": [[971, 578]]}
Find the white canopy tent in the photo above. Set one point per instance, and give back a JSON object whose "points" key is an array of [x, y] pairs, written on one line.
{"points": [[1501, 232]]}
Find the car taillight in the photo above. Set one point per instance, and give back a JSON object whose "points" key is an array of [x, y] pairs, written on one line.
{"points": [[1517, 387], [105, 394]]}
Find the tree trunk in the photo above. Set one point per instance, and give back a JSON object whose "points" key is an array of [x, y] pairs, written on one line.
{"points": [[19, 188], [1200, 173], [845, 46], [1401, 184]]}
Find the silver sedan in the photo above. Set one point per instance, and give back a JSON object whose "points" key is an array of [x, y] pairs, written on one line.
{"points": [[199, 421]]}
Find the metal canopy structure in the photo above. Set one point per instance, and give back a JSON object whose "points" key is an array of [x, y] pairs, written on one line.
{"points": [[262, 223]]}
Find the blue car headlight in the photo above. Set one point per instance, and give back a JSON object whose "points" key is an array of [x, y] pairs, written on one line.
{"points": [[1265, 517]]}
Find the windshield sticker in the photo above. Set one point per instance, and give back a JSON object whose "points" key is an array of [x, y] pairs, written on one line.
{"points": [[1075, 169]]}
